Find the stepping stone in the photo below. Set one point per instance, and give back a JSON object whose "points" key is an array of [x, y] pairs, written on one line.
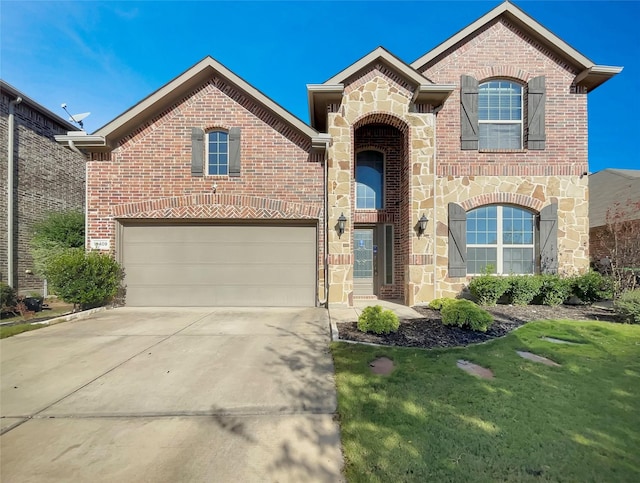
{"points": [[535, 358], [558, 341], [382, 365], [475, 369]]}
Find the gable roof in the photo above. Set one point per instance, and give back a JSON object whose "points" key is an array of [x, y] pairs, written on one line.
{"points": [[590, 75], [319, 95], [171, 92], [610, 187]]}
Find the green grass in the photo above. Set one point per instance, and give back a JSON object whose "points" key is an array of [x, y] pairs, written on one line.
{"points": [[430, 421], [22, 325], [8, 331]]}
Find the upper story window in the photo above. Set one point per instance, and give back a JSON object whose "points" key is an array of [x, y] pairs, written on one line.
{"points": [[492, 114], [500, 115], [502, 237], [369, 180], [217, 154]]}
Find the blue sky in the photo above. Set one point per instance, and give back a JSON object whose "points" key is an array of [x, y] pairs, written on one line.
{"points": [[104, 57]]}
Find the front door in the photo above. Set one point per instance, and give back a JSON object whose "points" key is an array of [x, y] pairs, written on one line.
{"points": [[364, 268]]}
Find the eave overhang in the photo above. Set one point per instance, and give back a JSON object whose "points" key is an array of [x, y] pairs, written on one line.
{"points": [[590, 75], [176, 89], [320, 97], [82, 140]]}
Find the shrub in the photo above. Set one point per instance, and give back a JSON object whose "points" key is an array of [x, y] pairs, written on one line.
{"points": [[487, 289], [628, 306], [375, 319], [85, 279], [8, 296], [592, 287], [554, 290], [58, 232], [523, 288], [464, 313], [438, 304]]}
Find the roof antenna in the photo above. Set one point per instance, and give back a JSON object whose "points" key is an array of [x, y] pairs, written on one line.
{"points": [[77, 118]]}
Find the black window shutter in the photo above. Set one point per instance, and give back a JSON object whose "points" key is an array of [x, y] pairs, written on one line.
{"points": [[537, 97], [457, 241], [549, 239], [197, 151], [234, 151], [468, 112]]}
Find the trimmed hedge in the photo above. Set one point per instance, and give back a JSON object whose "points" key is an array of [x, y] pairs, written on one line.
{"points": [[375, 319], [438, 304], [523, 288], [487, 289], [628, 306], [592, 287], [466, 314]]}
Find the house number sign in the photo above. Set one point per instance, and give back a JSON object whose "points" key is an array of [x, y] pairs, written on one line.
{"points": [[100, 244]]}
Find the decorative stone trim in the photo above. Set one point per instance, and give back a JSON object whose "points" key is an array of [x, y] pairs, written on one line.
{"points": [[217, 206], [504, 71], [502, 198], [381, 118], [373, 217], [340, 259]]}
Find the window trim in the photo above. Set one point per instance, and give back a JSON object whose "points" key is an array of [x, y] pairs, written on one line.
{"points": [[383, 184], [500, 245], [389, 240], [206, 153], [502, 121]]}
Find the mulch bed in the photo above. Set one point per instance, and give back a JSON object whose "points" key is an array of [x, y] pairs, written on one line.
{"points": [[429, 332]]}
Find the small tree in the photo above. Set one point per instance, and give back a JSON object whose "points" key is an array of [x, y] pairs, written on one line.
{"points": [[619, 243], [59, 231]]}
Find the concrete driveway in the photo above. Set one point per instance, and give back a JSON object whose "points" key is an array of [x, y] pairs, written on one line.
{"points": [[140, 394]]}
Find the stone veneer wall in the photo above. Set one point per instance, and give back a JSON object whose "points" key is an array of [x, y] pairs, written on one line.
{"points": [[149, 174], [377, 96]]}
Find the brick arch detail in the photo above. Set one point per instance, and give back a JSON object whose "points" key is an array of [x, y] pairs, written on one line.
{"points": [[381, 118], [218, 206], [503, 198], [502, 72]]}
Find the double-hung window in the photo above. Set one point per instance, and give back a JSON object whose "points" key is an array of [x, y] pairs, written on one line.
{"points": [[501, 237], [370, 180], [217, 154], [500, 115]]}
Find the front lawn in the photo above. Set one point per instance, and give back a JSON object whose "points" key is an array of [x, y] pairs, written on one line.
{"points": [[430, 421]]}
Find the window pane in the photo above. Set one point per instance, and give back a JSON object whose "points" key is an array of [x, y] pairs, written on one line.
{"points": [[517, 260], [217, 153], [481, 226], [388, 254], [500, 136], [517, 226], [369, 176], [479, 258]]}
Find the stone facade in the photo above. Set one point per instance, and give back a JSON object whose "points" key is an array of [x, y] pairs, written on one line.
{"points": [[48, 178]]}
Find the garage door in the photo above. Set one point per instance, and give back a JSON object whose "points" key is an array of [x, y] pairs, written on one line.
{"points": [[221, 265]]}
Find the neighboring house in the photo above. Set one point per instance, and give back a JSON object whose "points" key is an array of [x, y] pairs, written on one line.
{"points": [[209, 193], [614, 198], [46, 177]]}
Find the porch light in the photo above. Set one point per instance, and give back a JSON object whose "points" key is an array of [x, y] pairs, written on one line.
{"points": [[422, 224], [342, 220]]}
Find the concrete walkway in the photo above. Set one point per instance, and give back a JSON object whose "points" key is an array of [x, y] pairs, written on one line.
{"points": [[210, 395]]}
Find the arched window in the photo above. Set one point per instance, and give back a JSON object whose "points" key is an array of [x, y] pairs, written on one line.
{"points": [[217, 153], [369, 180], [501, 237], [500, 115]]}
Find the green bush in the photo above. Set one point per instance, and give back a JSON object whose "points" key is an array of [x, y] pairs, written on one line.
{"points": [[628, 306], [554, 290], [375, 319], [85, 279], [592, 287], [8, 296], [464, 313], [523, 288], [438, 304], [487, 289], [58, 232]]}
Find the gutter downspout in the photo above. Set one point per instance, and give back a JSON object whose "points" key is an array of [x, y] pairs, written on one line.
{"points": [[435, 204], [325, 302], [10, 192]]}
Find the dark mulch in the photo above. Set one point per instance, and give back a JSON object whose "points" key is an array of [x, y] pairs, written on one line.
{"points": [[429, 332]]}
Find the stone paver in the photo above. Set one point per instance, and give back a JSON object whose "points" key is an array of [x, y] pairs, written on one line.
{"points": [[382, 365], [536, 358], [558, 341], [475, 369]]}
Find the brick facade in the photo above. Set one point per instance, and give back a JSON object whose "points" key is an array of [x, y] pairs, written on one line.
{"points": [[48, 178]]}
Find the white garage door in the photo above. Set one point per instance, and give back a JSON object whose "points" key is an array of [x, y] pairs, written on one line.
{"points": [[219, 265]]}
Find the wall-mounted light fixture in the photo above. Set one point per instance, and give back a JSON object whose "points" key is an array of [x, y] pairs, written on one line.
{"points": [[422, 225], [342, 220]]}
